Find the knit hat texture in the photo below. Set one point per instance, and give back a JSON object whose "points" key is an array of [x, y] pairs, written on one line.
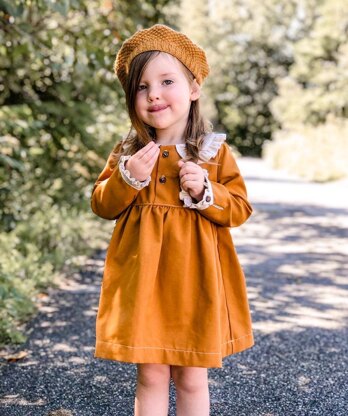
{"points": [[161, 38]]}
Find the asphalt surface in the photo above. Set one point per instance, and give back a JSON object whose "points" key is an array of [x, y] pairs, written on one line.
{"points": [[294, 254]]}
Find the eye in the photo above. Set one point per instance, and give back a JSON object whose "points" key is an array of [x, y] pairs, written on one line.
{"points": [[168, 81], [141, 87]]}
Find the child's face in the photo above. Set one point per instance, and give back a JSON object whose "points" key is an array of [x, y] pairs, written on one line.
{"points": [[164, 97]]}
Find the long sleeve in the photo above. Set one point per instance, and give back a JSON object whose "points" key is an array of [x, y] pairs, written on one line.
{"points": [[111, 194], [230, 207]]}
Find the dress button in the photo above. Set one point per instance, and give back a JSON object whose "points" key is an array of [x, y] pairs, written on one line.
{"points": [[208, 198], [165, 153], [163, 179]]}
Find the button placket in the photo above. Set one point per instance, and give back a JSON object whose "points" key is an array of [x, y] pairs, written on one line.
{"points": [[163, 178]]}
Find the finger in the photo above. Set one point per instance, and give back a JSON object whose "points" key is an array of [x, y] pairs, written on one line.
{"points": [[183, 186], [191, 184], [188, 176], [193, 169], [149, 159], [191, 165], [153, 159], [184, 172], [150, 146], [150, 154], [190, 169]]}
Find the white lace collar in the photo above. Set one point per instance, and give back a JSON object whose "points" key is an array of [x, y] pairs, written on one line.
{"points": [[211, 145]]}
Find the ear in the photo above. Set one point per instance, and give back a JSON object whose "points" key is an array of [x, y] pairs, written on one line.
{"points": [[195, 90]]}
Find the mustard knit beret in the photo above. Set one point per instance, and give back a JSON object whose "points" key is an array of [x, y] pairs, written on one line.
{"points": [[161, 38]]}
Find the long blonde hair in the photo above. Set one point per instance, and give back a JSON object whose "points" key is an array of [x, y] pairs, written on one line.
{"points": [[140, 133]]}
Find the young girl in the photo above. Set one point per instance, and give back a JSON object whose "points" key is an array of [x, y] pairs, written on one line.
{"points": [[173, 296]]}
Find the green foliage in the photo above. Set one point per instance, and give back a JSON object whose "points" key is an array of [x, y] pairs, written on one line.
{"points": [[57, 95], [62, 109], [249, 46], [312, 105], [32, 255], [19, 275], [33, 164], [317, 82]]}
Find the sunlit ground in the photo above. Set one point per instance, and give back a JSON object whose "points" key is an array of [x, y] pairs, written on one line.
{"points": [[294, 251]]}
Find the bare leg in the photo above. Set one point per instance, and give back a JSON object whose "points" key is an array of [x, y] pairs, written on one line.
{"points": [[192, 391], [152, 392]]}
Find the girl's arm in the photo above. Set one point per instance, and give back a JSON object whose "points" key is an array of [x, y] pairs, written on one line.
{"points": [[111, 193], [230, 207], [116, 188]]}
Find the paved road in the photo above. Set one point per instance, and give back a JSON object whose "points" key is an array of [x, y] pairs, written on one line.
{"points": [[294, 253]]}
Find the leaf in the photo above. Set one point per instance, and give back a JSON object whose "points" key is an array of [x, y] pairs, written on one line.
{"points": [[61, 7], [13, 163], [16, 356], [10, 8]]}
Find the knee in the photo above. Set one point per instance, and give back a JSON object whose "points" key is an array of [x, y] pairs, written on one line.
{"points": [[190, 379], [153, 375]]}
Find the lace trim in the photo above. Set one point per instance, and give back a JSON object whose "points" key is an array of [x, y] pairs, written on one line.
{"points": [[211, 145], [208, 197], [135, 183]]}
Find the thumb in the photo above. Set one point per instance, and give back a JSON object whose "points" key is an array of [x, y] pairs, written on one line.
{"points": [[181, 163]]}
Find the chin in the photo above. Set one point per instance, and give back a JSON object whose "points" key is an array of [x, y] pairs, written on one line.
{"points": [[160, 126]]}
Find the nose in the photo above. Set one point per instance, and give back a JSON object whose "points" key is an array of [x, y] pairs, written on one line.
{"points": [[152, 94]]}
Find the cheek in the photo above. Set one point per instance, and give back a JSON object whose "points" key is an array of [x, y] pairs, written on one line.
{"points": [[180, 97], [138, 104]]}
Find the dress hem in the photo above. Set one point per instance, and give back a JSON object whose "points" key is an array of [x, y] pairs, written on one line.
{"points": [[137, 355]]}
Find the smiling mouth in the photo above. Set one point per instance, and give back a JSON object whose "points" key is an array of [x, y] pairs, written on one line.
{"points": [[157, 109]]}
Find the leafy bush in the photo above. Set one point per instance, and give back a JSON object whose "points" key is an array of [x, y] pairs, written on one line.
{"points": [[20, 277], [249, 46], [32, 255], [312, 105]]}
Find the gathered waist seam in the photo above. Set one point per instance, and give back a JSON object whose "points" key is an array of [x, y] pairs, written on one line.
{"points": [[157, 205]]}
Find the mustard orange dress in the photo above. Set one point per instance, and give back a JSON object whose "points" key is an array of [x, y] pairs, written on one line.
{"points": [[173, 291]]}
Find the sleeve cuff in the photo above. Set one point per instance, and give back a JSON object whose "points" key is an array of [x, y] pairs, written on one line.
{"points": [[208, 197], [127, 177]]}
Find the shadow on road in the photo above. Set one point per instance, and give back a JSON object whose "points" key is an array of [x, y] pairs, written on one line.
{"points": [[294, 258]]}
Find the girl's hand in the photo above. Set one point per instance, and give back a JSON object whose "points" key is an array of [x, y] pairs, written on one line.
{"points": [[140, 164], [192, 179]]}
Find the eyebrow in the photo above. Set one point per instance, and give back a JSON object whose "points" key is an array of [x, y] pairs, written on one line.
{"points": [[168, 73]]}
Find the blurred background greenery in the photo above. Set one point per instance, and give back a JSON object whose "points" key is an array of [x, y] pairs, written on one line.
{"points": [[278, 88]]}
